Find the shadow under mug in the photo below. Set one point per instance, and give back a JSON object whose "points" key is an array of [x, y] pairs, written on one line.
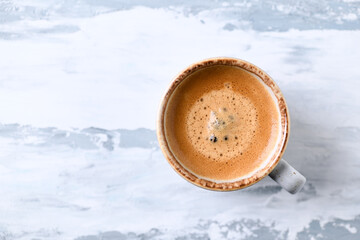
{"points": [[277, 168]]}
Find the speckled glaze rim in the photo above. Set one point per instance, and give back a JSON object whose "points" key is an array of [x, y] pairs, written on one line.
{"points": [[261, 173]]}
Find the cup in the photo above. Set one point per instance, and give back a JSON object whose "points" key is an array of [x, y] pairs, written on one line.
{"points": [[277, 168]]}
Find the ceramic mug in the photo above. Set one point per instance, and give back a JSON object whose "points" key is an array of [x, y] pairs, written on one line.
{"points": [[277, 168]]}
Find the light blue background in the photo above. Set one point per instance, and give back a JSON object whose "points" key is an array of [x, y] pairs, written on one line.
{"points": [[80, 85]]}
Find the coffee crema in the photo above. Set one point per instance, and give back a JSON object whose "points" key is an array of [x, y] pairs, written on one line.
{"points": [[222, 123]]}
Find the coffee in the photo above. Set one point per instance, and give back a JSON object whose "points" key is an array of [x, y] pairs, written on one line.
{"points": [[222, 123]]}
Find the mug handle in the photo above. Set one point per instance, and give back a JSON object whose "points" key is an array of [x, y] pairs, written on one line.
{"points": [[288, 178]]}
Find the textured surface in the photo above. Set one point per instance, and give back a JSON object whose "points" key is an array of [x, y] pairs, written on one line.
{"points": [[80, 84]]}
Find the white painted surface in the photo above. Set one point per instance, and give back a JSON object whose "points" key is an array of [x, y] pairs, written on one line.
{"points": [[71, 65]]}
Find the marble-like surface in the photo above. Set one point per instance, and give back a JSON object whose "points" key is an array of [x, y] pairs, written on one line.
{"points": [[80, 84]]}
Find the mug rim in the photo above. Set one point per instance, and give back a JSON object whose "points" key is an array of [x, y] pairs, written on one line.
{"points": [[225, 185]]}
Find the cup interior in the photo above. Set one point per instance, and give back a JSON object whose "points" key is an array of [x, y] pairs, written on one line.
{"points": [[261, 172]]}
